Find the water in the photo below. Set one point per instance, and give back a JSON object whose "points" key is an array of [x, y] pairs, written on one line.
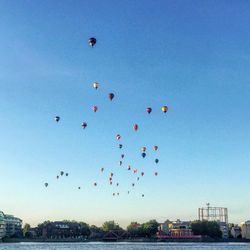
{"points": [[124, 246]]}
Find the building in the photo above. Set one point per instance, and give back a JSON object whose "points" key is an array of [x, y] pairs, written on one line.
{"points": [[218, 214], [236, 232], [13, 226], [2, 226], [176, 229], [245, 230]]}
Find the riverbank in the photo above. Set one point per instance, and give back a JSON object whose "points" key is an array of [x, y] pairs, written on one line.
{"points": [[138, 240]]}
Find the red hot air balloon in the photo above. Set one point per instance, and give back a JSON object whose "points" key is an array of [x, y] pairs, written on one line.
{"points": [[118, 137], [135, 171], [94, 108], [136, 127], [149, 110]]}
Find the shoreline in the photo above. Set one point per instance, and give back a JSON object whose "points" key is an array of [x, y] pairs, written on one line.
{"points": [[18, 240]]}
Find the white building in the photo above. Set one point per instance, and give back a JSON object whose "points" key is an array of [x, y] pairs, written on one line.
{"points": [[13, 225], [2, 225], [245, 230]]}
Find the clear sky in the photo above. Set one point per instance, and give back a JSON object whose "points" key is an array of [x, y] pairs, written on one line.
{"points": [[193, 56]]}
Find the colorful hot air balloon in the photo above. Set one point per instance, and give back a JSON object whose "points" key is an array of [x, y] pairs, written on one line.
{"points": [[133, 184], [164, 109], [46, 184], [135, 171], [110, 182], [84, 125], [92, 41], [61, 173], [143, 154], [111, 96], [120, 146], [136, 127], [149, 110], [122, 156], [94, 108], [156, 161], [111, 174], [118, 137], [155, 148], [142, 173], [110, 178], [96, 85], [143, 149], [57, 118]]}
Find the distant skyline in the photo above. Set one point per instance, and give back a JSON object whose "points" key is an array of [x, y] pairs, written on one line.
{"points": [[193, 56]]}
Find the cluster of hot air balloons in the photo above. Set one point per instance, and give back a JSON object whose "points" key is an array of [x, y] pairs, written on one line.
{"points": [[96, 85]]}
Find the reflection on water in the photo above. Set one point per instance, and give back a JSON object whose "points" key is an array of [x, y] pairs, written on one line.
{"points": [[124, 246]]}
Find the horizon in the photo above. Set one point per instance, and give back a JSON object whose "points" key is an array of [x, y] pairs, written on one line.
{"points": [[190, 56]]}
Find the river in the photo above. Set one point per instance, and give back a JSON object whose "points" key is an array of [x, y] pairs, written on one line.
{"points": [[124, 246]]}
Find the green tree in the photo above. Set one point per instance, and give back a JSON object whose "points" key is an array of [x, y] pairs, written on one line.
{"points": [[208, 228], [26, 230], [134, 229], [109, 226], [150, 228]]}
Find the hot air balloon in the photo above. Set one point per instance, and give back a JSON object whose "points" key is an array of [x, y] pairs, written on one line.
{"points": [[96, 85], [113, 194], [102, 169], [111, 174], [46, 184], [95, 184], [118, 194], [155, 148], [120, 163], [138, 178], [142, 173], [57, 118], [57, 177], [84, 125], [79, 187], [111, 96], [110, 183], [128, 192], [156, 173], [117, 184], [92, 41], [133, 184], [67, 174], [143, 149], [118, 137], [136, 127], [156, 161], [143, 154], [61, 173], [149, 110], [129, 168], [122, 156], [94, 108], [120, 146], [135, 171], [164, 109], [142, 195]]}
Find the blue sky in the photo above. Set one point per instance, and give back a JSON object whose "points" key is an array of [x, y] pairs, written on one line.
{"points": [[193, 56]]}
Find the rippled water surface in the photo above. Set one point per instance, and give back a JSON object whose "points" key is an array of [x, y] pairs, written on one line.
{"points": [[124, 246]]}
